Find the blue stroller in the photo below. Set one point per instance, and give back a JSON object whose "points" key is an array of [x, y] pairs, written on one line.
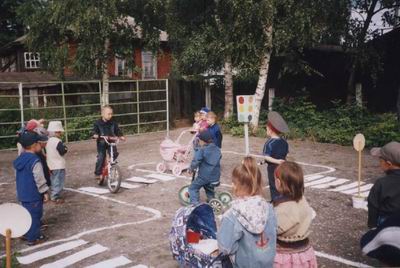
{"points": [[199, 218]]}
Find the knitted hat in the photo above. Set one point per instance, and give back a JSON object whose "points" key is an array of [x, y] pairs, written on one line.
{"points": [[278, 123], [390, 152], [204, 110], [205, 136]]}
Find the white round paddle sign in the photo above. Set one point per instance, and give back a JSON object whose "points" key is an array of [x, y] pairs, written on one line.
{"points": [[359, 142], [16, 218]]}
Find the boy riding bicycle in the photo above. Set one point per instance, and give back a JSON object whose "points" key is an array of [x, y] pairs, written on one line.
{"points": [[105, 126]]}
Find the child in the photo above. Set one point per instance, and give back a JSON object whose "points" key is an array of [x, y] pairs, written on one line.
{"points": [[56, 150], [31, 184], [203, 118], [248, 229], [214, 128], [294, 217], [196, 124], [275, 149], [105, 126], [207, 159], [42, 156], [384, 196]]}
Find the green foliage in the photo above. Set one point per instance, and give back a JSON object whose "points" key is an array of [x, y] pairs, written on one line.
{"points": [[10, 27], [101, 29], [14, 261], [338, 124]]}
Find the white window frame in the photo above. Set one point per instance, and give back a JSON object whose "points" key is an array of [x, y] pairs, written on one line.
{"points": [[32, 60], [126, 70], [154, 65]]}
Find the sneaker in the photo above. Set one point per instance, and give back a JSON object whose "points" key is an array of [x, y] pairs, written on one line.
{"points": [[38, 241]]}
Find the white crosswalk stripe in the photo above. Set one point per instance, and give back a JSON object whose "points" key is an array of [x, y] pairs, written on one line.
{"points": [[77, 257], [330, 184], [111, 263], [345, 187], [129, 185], [363, 188], [42, 254], [161, 177], [320, 181], [141, 180], [312, 177], [94, 190]]}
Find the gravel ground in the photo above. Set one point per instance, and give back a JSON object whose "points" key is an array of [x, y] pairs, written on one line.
{"points": [[336, 230]]}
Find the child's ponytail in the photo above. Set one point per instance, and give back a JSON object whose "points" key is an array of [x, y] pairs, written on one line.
{"points": [[248, 177]]}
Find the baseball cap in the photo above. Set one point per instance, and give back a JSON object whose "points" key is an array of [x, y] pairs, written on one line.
{"points": [[28, 138], [389, 152], [205, 136]]}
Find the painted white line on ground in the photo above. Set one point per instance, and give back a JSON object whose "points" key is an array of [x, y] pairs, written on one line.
{"points": [[4, 183], [309, 178], [341, 260], [140, 266], [365, 194], [156, 215], [95, 190], [141, 180], [140, 164], [345, 187], [330, 184], [42, 254], [161, 177], [320, 181], [77, 257], [111, 263], [129, 185], [363, 188], [328, 169]]}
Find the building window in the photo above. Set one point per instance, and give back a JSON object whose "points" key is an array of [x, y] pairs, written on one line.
{"points": [[149, 65], [32, 60], [121, 67]]}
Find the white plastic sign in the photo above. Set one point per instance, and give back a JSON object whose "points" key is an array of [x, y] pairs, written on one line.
{"points": [[16, 218], [359, 142], [245, 108]]}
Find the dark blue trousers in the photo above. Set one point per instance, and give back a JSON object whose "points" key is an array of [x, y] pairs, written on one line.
{"points": [[36, 211]]}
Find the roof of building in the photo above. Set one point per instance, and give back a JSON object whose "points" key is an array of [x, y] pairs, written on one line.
{"points": [[10, 80]]}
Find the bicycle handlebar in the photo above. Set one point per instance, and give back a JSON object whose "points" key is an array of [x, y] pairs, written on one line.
{"points": [[110, 139]]}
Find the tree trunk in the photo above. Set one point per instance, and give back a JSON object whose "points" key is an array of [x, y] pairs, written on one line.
{"points": [[350, 84], [105, 75], [228, 80], [262, 78], [360, 42], [398, 104]]}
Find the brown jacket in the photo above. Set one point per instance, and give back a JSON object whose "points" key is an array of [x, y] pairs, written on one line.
{"points": [[294, 220]]}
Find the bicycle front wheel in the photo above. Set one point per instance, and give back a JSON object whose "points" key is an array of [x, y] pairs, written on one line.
{"points": [[114, 179]]}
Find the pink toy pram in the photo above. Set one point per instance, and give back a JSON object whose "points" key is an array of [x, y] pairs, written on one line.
{"points": [[176, 156]]}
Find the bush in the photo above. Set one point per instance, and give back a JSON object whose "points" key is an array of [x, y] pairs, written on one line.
{"points": [[338, 124]]}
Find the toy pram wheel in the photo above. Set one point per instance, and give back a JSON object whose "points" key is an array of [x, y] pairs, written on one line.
{"points": [[161, 167], [225, 198], [177, 170], [216, 205], [183, 195]]}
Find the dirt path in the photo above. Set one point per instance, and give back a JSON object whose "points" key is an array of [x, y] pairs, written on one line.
{"points": [[135, 223]]}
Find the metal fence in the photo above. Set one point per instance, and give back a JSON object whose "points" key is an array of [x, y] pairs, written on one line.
{"points": [[139, 106]]}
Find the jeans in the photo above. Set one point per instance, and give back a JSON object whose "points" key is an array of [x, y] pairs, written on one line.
{"points": [[194, 190], [36, 211], [102, 148], [57, 183]]}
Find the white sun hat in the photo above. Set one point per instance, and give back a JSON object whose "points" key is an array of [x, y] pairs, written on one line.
{"points": [[55, 126]]}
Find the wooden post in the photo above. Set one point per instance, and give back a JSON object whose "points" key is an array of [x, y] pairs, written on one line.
{"points": [[359, 171], [8, 248]]}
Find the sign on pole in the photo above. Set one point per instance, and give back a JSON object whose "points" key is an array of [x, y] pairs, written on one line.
{"points": [[245, 109]]}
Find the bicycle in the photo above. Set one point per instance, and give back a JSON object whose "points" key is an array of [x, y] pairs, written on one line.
{"points": [[110, 171], [219, 203]]}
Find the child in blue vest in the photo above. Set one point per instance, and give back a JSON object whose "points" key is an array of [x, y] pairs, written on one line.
{"points": [[31, 184], [275, 149], [214, 129]]}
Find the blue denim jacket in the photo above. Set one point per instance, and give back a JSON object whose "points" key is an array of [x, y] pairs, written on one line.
{"points": [[207, 159], [248, 233]]}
